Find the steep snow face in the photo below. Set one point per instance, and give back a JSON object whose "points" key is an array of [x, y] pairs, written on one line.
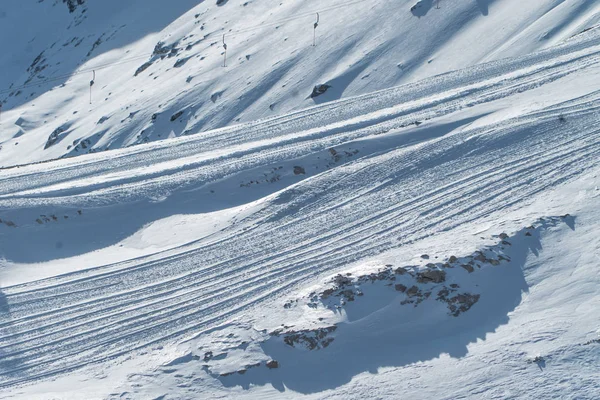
{"points": [[158, 68], [186, 268]]}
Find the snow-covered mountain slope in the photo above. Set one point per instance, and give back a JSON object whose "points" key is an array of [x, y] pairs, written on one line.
{"points": [[158, 68], [461, 210]]}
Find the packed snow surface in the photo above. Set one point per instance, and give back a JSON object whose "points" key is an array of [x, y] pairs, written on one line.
{"points": [[425, 228]]}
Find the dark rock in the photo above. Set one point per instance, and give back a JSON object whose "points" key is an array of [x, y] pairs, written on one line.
{"points": [[425, 257], [435, 276], [299, 171], [142, 68], [413, 291], [462, 302], [176, 115], [468, 267], [319, 90], [400, 271], [348, 294], [54, 136], [401, 288], [341, 280], [272, 364], [72, 4], [310, 338], [452, 259], [480, 257], [180, 62]]}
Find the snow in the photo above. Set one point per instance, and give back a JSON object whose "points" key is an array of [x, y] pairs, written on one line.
{"points": [[272, 66], [182, 268]]}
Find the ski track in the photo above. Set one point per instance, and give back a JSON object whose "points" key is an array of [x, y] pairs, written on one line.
{"points": [[377, 202]]}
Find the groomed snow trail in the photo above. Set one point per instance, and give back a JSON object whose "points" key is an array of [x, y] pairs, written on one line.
{"points": [[405, 183]]}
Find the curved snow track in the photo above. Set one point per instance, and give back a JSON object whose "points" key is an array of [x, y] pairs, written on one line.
{"points": [[399, 188]]}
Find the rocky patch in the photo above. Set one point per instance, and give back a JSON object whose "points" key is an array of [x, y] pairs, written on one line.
{"points": [[319, 90], [311, 339], [73, 4], [433, 281]]}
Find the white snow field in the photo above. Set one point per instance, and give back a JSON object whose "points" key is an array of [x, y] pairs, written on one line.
{"points": [[436, 239], [181, 87]]}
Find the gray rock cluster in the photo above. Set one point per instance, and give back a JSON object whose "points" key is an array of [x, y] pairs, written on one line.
{"points": [[73, 4]]}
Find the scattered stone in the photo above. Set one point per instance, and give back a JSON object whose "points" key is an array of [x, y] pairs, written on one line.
{"points": [[54, 136], [319, 90], [341, 280], [425, 257], [400, 287], [142, 68], [435, 276], [413, 291], [310, 338], [468, 267], [180, 62], [176, 116], [457, 304], [480, 257], [299, 170], [72, 4], [400, 271]]}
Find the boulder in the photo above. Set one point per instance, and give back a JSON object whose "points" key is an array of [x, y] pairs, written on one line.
{"points": [[299, 170], [435, 276], [319, 90]]}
